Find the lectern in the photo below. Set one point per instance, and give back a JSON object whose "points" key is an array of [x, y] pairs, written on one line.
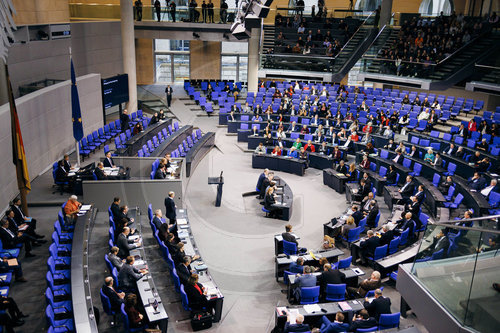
{"points": [[219, 181]]}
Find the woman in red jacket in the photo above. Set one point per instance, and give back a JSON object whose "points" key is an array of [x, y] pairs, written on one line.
{"points": [[365, 163], [135, 318], [368, 128]]}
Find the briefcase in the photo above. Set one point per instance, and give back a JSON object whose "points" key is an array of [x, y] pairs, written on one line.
{"points": [[201, 321]]}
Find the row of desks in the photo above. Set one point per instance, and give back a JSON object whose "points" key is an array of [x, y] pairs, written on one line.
{"points": [[171, 143], [279, 163], [214, 295], [282, 262], [137, 141], [146, 286]]}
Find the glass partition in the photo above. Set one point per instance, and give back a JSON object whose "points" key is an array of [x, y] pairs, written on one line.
{"points": [[458, 265]]}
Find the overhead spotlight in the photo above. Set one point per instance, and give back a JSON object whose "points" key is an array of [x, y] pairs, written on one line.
{"points": [[195, 35], [252, 21], [259, 9], [239, 31], [267, 3]]}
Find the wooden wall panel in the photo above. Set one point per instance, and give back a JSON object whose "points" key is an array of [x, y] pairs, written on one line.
{"points": [[204, 60], [144, 60], [41, 11]]}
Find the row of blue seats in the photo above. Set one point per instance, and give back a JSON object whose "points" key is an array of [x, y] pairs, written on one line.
{"points": [[99, 137], [161, 136], [186, 144], [59, 310]]}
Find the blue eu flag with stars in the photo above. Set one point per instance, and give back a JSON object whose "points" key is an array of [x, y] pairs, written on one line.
{"points": [[75, 107]]}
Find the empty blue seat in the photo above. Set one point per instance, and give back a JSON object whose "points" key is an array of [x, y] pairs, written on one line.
{"points": [[335, 292], [309, 295]]}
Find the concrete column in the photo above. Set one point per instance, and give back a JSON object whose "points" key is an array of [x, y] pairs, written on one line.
{"points": [[253, 60], [128, 51], [385, 12]]}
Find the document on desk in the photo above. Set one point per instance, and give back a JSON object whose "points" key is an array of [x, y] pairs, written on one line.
{"points": [[357, 271], [133, 237], [181, 221], [4, 292], [344, 306], [71, 174], [85, 207], [138, 262], [293, 314], [311, 308]]}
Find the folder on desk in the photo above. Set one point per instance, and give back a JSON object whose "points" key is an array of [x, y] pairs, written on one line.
{"points": [[344, 306], [85, 207], [181, 221]]}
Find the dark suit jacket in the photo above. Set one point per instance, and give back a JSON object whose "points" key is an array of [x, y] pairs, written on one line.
{"points": [[296, 328], [477, 184], [183, 272], [408, 190], [407, 224], [170, 208], [67, 165], [8, 242], [366, 286], [159, 174], [331, 276], [386, 237], [289, 237], [128, 276], [368, 246], [378, 306], [114, 299], [18, 216], [261, 179], [269, 201], [442, 243], [115, 261], [60, 174], [100, 174], [115, 210], [157, 222], [420, 196], [370, 322], [195, 298], [107, 164], [372, 215], [124, 245], [358, 216], [391, 177], [413, 208], [341, 169], [363, 191]]}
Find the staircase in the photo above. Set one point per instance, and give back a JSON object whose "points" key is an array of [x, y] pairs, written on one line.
{"points": [[385, 39], [352, 51], [269, 37]]}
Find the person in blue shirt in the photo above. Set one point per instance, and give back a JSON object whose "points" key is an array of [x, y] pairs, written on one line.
{"points": [[306, 280], [297, 267], [257, 117], [429, 157], [292, 153], [336, 326]]}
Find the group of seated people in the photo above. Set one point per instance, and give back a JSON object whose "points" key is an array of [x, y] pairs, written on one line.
{"points": [[267, 186], [161, 171]]}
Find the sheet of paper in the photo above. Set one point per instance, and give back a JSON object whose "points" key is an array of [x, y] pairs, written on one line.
{"points": [[85, 207], [12, 262], [344, 306], [293, 314], [138, 262], [310, 308], [24, 227], [181, 221]]}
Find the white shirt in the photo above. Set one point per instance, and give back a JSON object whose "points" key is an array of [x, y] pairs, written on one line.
{"points": [[486, 191]]}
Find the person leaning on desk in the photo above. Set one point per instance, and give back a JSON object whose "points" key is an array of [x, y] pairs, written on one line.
{"points": [[129, 275], [269, 201]]}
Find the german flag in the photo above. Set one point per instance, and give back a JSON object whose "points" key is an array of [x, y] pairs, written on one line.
{"points": [[18, 154]]}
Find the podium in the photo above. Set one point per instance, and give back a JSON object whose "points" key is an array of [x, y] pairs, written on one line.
{"points": [[219, 181]]}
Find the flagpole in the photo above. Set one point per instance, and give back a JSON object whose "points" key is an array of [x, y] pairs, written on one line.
{"points": [[77, 147]]}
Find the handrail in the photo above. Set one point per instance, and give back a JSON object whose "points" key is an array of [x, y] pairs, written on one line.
{"points": [[362, 24], [451, 224], [486, 66], [296, 56], [376, 37], [460, 49]]}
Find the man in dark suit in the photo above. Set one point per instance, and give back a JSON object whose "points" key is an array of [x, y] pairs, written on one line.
{"points": [[123, 214], [161, 172], [407, 189], [405, 223], [398, 158], [170, 207], [128, 275], [441, 242], [368, 246], [114, 259], [363, 191], [169, 91], [157, 219], [372, 214], [341, 168], [125, 244], [124, 121], [477, 182], [67, 163], [115, 298], [290, 237], [387, 235], [25, 228], [11, 239], [362, 320], [451, 150], [365, 204], [115, 208], [262, 176], [337, 326], [379, 305], [184, 270], [297, 267], [299, 325], [99, 172], [330, 276], [356, 214], [420, 195], [19, 216], [414, 206], [265, 183], [108, 161]]}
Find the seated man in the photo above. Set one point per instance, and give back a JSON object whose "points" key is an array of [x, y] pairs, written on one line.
{"points": [[125, 245], [115, 298], [363, 191], [19, 216], [306, 280], [114, 259], [128, 275], [184, 270], [371, 215], [379, 305], [362, 320], [387, 235], [477, 182], [11, 239], [292, 152], [297, 267], [161, 172], [356, 214], [407, 189], [368, 284], [17, 269], [108, 161], [299, 325], [365, 204], [337, 326], [99, 172], [290, 237], [369, 245], [406, 223], [27, 228], [330, 276]]}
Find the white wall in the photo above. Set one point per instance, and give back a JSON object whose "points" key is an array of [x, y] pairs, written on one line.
{"points": [[45, 119]]}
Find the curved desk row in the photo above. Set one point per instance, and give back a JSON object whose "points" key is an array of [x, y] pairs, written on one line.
{"points": [[279, 163], [214, 295], [81, 298], [285, 201], [137, 141], [172, 141], [146, 286], [198, 151]]}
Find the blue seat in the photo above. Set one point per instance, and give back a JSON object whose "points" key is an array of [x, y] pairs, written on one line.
{"points": [[265, 211], [455, 203], [62, 309], [59, 275], [9, 253], [61, 290], [371, 293], [6, 279], [309, 295], [436, 179], [353, 234], [388, 321], [452, 167], [345, 263], [335, 292], [285, 276], [63, 325], [289, 248], [370, 329], [380, 252], [184, 299], [396, 181], [404, 237], [108, 262], [417, 168], [393, 245], [126, 322]]}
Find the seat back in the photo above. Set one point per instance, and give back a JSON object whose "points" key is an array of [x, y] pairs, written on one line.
{"points": [[106, 304], [436, 179], [382, 171], [309, 295], [388, 321], [404, 237], [369, 329], [380, 252], [114, 273], [345, 263], [452, 167], [289, 248], [335, 292], [184, 299], [458, 199], [393, 245]]}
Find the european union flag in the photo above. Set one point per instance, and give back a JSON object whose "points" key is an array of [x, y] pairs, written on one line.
{"points": [[75, 107]]}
